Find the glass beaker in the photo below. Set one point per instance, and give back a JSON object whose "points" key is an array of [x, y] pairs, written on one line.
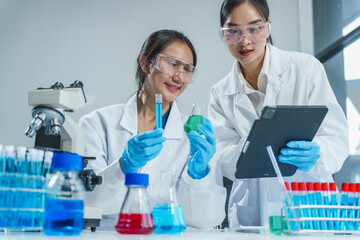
{"points": [[167, 213], [195, 118], [135, 214]]}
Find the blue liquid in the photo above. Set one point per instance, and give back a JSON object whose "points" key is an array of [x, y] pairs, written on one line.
{"points": [[296, 199], [334, 212], [350, 214], [158, 115], [320, 210], [305, 212], [357, 214], [327, 213], [313, 213], [63, 217], [168, 220], [343, 202]]}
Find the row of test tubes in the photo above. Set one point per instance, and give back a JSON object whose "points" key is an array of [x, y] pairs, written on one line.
{"points": [[320, 207], [22, 187]]}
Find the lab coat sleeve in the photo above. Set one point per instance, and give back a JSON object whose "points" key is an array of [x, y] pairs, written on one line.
{"points": [[332, 135], [229, 143], [112, 180], [202, 200]]}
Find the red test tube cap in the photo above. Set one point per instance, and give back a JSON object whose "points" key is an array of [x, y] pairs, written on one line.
{"points": [[294, 186], [333, 187], [301, 186], [324, 186], [317, 186], [345, 187], [310, 186], [352, 187], [358, 187], [287, 186]]}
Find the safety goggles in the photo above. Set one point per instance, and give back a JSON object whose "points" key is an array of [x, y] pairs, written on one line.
{"points": [[173, 66], [252, 32]]}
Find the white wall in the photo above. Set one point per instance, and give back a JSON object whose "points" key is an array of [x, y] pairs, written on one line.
{"points": [[97, 42]]}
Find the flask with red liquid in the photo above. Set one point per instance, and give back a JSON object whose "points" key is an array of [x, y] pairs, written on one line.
{"points": [[135, 214]]}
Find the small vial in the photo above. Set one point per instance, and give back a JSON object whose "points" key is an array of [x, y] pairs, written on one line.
{"points": [[326, 201], [158, 108], [195, 118], [135, 214]]}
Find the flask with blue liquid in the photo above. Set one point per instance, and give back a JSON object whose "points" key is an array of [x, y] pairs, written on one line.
{"points": [[64, 203], [167, 213]]}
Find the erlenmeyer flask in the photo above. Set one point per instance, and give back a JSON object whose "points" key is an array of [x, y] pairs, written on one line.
{"points": [[195, 118], [167, 213]]}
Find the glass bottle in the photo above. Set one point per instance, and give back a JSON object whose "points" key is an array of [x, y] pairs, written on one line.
{"points": [[64, 202], [195, 118], [135, 214], [167, 213]]}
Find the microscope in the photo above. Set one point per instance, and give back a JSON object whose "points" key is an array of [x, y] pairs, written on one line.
{"points": [[55, 130]]}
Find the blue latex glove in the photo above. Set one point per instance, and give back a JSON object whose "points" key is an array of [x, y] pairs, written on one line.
{"points": [[303, 154], [141, 149], [202, 148]]}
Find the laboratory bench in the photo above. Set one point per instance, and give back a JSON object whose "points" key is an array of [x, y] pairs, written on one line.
{"points": [[188, 235]]}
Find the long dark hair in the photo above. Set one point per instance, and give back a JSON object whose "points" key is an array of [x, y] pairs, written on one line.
{"points": [[260, 5], [156, 43]]}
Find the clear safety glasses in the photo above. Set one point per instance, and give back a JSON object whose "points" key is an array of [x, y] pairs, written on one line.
{"points": [[252, 32], [173, 66]]}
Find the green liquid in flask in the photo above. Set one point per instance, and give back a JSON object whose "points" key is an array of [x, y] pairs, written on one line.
{"points": [[192, 122]]}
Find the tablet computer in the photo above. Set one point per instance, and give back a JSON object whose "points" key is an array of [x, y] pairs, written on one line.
{"points": [[275, 127]]}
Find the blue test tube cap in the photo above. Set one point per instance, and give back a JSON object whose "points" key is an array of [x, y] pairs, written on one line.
{"points": [[65, 161], [140, 179]]}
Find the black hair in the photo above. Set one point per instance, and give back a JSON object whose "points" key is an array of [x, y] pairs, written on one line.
{"points": [[156, 43], [260, 5]]}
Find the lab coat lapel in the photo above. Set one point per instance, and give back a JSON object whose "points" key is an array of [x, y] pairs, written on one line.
{"points": [[240, 105], [279, 64], [129, 120]]}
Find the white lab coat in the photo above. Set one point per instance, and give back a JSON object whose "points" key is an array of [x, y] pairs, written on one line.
{"points": [[293, 79], [107, 132]]}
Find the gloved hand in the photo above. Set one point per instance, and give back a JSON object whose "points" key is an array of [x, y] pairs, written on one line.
{"points": [[202, 148], [303, 154], [141, 149]]}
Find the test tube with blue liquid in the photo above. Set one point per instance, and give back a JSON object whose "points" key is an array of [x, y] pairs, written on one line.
{"points": [[158, 110], [334, 202], [311, 200], [351, 202], [343, 202], [303, 201], [357, 203], [319, 201], [296, 201], [326, 201]]}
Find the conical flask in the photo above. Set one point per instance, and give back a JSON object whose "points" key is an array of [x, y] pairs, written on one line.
{"points": [[167, 213], [195, 118], [135, 214]]}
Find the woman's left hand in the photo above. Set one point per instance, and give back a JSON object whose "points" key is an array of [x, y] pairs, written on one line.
{"points": [[303, 154], [202, 149]]}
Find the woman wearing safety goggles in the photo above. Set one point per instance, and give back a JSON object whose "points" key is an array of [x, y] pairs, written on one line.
{"points": [[124, 139], [263, 75]]}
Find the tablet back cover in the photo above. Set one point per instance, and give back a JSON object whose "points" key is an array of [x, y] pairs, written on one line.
{"points": [[277, 126]]}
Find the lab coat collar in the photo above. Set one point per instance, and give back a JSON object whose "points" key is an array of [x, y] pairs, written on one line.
{"points": [[174, 126], [128, 120], [279, 64]]}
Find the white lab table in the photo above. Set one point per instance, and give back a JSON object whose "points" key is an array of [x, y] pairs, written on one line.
{"points": [[188, 235]]}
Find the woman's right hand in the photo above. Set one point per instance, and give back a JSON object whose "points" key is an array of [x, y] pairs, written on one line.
{"points": [[141, 149]]}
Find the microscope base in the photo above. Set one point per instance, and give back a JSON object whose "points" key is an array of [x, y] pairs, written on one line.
{"points": [[92, 217]]}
